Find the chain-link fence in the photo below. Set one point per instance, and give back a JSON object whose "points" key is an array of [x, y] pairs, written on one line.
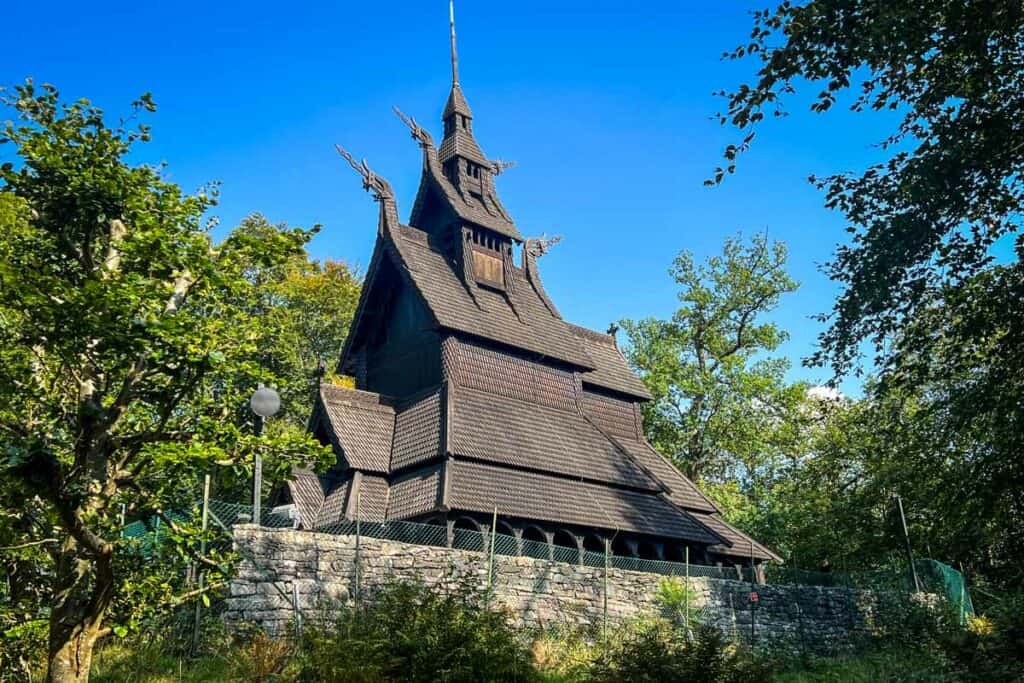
{"points": [[933, 576]]}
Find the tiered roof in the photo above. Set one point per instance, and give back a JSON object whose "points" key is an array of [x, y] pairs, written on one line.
{"points": [[532, 416]]}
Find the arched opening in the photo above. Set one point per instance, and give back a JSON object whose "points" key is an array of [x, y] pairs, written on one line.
{"points": [[647, 550], [535, 543], [505, 542], [621, 547], [432, 530], [676, 552], [566, 549], [468, 535], [593, 550]]}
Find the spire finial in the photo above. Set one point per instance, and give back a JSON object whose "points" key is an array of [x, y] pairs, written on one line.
{"points": [[455, 54]]}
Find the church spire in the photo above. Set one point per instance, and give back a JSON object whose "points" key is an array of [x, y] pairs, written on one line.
{"points": [[458, 118], [456, 111], [455, 53]]}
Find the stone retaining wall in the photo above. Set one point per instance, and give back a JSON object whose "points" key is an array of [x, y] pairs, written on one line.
{"points": [[320, 570]]}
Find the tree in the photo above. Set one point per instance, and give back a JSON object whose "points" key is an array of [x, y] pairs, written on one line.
{"points": [[306, 308], [722, 408], [124, 354], [929, 215], [926, 278]]}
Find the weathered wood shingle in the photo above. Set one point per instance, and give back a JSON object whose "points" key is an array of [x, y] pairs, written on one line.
{"points": [[479, 487]]}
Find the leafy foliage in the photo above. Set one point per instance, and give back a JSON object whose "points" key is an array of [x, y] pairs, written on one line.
{"points": [[127, 354], [929, 278], [305, 308], [952, 187], [652, 650], [677, 600], [410, 633], [722, 408]]}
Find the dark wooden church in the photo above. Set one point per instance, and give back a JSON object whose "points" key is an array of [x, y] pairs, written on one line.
{"points": [[474, 394]]}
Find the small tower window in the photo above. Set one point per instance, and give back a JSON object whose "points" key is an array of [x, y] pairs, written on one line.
{"points": [[487, 259]]}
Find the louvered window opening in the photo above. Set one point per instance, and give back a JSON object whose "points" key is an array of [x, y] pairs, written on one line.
{"points": [[487, 259]]}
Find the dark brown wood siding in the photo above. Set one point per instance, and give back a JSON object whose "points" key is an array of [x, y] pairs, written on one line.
{"points": [[406, 356]]}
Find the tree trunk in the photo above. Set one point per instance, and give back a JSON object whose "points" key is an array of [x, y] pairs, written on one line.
{"points": [[70, 660], [85, 588]]}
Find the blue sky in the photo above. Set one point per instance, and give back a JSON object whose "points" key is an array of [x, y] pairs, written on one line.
{"points": [[606, 107]]}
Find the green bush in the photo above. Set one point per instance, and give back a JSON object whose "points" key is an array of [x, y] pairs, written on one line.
{"points": [[410, 633], [647, 649], [656, 650], [986, 649], [991, 648], [909, 623]]}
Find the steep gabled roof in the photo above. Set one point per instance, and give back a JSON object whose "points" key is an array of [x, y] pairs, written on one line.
{"points": [[486, 211], [461, 143], [361, 425], [612, 371], [456, 103], [527, 324]]}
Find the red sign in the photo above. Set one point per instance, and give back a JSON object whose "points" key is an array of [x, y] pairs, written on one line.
{"points": [[754, 597]]}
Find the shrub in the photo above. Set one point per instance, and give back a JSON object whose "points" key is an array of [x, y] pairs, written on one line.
{"points": [[876, 667], [678, 603], [567, 653], [655, 650], [260, 658], [22, 648], [410, 633], [991, 648]]}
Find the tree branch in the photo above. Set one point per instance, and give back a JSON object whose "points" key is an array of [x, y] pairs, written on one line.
{"points": [[29, 544]]}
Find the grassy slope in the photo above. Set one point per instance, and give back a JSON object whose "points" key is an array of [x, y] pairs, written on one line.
{"points": [[117, 664], [881, 667]]}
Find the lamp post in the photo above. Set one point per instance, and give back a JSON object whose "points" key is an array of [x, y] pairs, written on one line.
{"points": [[265, 402]]}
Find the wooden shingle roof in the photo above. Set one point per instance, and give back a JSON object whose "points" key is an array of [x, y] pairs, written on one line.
{"points": [[478, 487], [741, 546], [486, 211], [526, 324], [461, 143], [362, 425], [681, 490], [526, 435], [611, 369]]}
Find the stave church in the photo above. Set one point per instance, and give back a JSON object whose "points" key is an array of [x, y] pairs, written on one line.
{"points": [[474, 395]]}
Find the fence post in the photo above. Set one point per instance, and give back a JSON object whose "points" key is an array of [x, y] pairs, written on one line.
{"points": [[202, 550], [298, 610], [490, 554], [910, 552], [800, 628], [359, 496], [732, 612], [604, 592], [753, 604], [963, 594], [686, 595]]}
